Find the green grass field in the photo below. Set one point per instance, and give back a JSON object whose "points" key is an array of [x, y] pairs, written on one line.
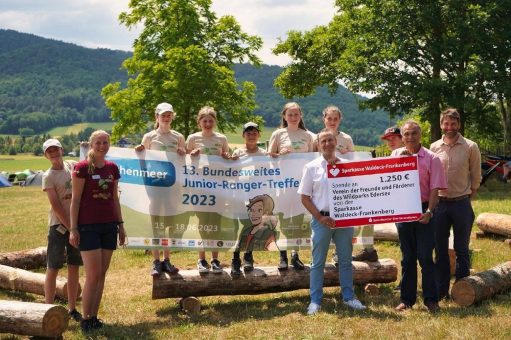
{"points": [[129, 312], [75, 128], [24, 161]]}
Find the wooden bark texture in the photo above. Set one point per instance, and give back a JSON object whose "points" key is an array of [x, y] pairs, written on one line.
{"points": [[265, 280]]}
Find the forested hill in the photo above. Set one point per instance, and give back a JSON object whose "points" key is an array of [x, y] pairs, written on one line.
{"points": [[46, 83], [365, 127]]}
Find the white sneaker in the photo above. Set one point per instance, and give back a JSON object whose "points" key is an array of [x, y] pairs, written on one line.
{"points": [[313, 308], [355, 304]]}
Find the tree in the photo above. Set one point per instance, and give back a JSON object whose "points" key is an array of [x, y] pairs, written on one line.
{"points": [[413, 55], [183, 56], [495, 61]]}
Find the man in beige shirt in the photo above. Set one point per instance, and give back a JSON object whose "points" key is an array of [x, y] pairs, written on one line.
{"points": [[461, 160]]}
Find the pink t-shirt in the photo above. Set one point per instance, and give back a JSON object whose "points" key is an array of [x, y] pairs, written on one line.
{"points": [[431, 172], [97, 204]]}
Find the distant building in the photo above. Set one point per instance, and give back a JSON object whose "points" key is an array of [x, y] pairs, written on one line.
{"points": [[125, 143]]}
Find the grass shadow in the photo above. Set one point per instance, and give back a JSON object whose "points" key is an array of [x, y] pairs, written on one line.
{"points": [[19, 295], [143, 330], [245, 307]]}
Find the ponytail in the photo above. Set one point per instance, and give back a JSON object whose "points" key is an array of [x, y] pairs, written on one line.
{"points": [[90, 161]]}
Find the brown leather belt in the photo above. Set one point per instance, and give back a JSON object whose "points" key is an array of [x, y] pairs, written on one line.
{"points": [[453, 199]]}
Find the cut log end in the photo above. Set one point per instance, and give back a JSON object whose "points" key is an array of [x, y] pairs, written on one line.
{"points": [[55, 321], [33, 319], [463, 293], [190, 305], [371, 289]]}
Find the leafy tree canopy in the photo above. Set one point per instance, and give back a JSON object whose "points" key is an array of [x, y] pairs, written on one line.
{"points": [[183, 56], [413, 55]]}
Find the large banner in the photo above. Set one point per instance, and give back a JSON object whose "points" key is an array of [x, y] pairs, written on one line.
{"points": [[208, 203]]}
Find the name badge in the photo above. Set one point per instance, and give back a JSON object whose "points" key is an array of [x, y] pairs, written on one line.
{"points": [[96, 177]]}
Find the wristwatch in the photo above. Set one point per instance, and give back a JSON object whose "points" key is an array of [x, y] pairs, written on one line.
{"points": [[430, 212]]}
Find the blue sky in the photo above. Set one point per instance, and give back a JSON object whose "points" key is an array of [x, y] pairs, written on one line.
{"points": [[93, 23]]}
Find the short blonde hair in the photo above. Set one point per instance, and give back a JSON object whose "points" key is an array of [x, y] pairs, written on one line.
{"points": [[206, 111]]}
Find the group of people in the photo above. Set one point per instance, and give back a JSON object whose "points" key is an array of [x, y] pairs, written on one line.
{"points": [[85, 213], [449, 175], [292, 136]]}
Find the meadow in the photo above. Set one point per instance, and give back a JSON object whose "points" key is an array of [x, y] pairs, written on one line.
{"points": [[76, 128], [129, 312]]}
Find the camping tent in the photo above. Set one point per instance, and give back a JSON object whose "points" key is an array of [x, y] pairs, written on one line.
{"points": [[34, 179], [4, 182], [20, 177]]}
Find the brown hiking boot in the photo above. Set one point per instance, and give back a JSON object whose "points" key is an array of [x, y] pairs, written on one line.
{"points": [[366, 255]]}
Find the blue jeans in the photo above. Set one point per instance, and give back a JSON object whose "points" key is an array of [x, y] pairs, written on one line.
{"points": [[460, 216], [417, 242], [321, 237]]}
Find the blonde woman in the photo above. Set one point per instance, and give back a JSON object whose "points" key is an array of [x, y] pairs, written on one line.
{"points": [[208, 142], [292, 136], [95, 222]]}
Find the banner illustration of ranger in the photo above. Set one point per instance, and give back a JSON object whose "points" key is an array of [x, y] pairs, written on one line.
{"points": [[206, 199], [381, 190]]}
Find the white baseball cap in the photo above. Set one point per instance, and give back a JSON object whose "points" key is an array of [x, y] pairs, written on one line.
{"points": [[163, 107], [51, 142], [250, 125]]}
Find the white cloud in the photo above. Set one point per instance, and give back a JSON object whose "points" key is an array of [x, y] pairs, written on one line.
{"points": [[94, 23], [272, 19]]}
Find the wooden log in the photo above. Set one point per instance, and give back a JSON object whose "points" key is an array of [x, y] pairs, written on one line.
{"points": [[190, 305], [386, 232], [477, 287], [25, 281], [265, 280], [25, 259], [495, 223], [371, 289], [34, 319]]}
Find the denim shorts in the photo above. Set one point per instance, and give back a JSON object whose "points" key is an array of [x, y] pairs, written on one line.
{"points": [[59, 249], [98, 236]]}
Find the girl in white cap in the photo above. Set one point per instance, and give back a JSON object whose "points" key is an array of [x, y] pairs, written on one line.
{"points": [[162, 138]]}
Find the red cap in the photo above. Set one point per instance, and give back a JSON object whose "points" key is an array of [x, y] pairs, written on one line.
{"points": [[391, 131]]}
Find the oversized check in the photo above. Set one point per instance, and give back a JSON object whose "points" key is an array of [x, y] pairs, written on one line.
{"points": [[375, 191]]}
